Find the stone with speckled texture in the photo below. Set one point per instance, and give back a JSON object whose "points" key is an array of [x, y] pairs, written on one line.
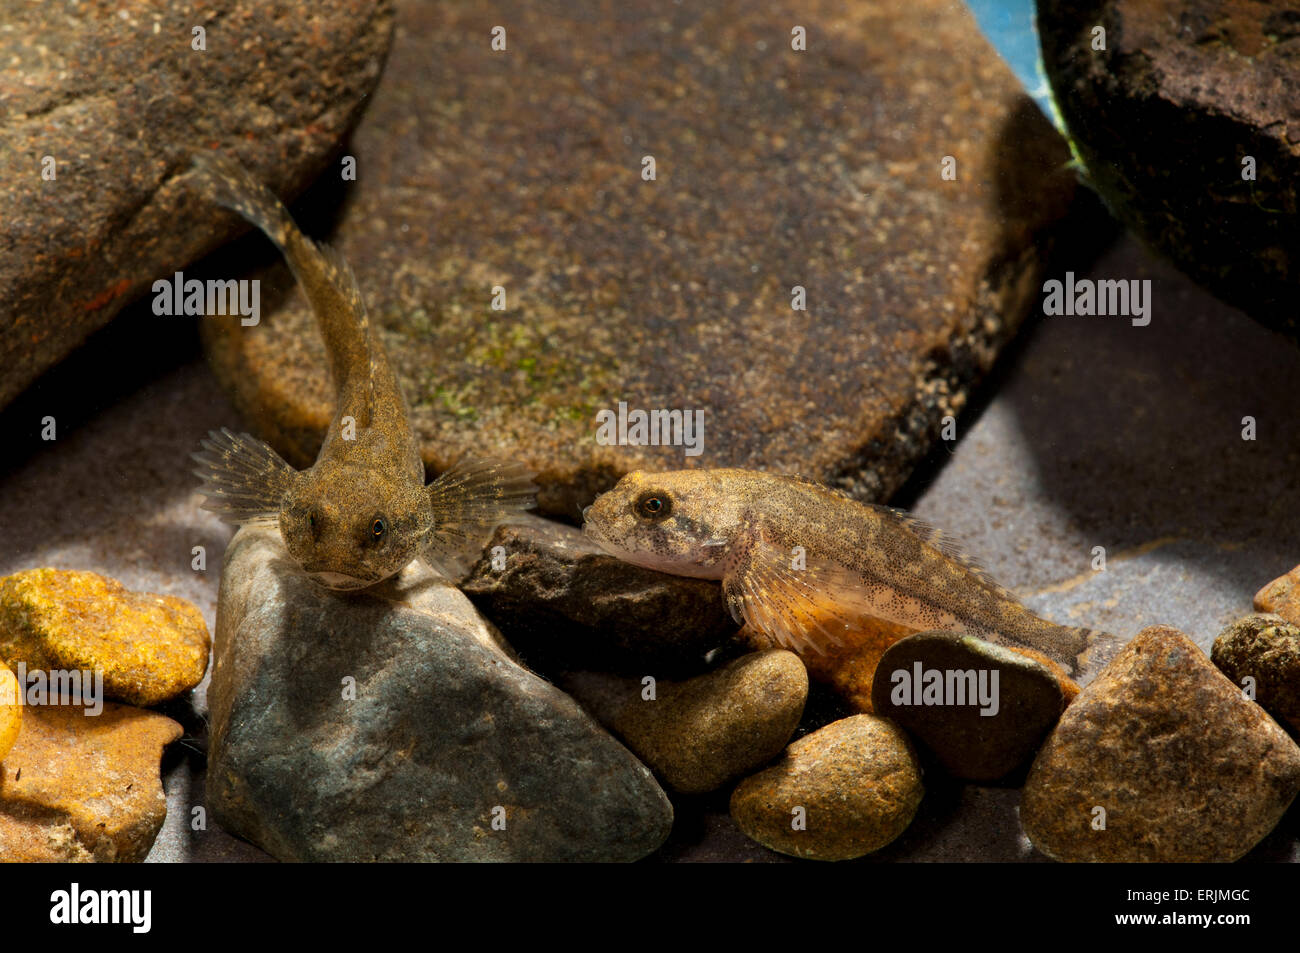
{"points": [[1185, 768], [1267, 649], [1281, 596], [149, 648], [120, 100], [11, 710], [1164, 116], [700, 733], [775, 168], [443, 734], [84, 787], [857, 782]]}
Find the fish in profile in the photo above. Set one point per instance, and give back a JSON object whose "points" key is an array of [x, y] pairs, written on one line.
{"points": [[362, 512], [809, 566]]}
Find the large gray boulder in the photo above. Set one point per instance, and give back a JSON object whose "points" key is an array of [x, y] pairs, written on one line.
{"points": [[396, 725]]}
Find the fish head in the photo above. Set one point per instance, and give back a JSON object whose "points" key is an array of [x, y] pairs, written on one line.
{"points": [[351, 526], [679, 521]]}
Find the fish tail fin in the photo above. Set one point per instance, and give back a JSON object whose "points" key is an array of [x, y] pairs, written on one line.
{"points": [[469, 501], [1098, 649], [244, 480], [227, 183], [323, 274]]}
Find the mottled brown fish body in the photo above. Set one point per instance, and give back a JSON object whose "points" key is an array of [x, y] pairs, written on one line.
{"points": [[816, 571]]}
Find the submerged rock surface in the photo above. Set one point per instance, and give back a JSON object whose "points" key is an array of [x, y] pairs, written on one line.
{"points": [[566, 603], [776, 169], [149, 648], [84, 787], [118, 98], [841, 792], [1188, 121], [994, 726], [397, 726], [1182, 767], [1266, 649], [701, 733]]}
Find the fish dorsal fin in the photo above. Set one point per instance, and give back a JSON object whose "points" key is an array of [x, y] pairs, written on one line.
{"points": [[946, 544], [803, 609], [341, 275]]}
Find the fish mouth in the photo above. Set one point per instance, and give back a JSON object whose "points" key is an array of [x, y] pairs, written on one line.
{"points": [[589, 530], [340, 581]]}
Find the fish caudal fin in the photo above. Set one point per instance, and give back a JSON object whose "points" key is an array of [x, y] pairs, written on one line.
{"points": [[1098, 650], [227, 183], [244, 480], [321, 272], [469, 501]]}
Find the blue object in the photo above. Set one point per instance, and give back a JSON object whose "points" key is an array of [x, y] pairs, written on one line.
{"points": [[1009, 26]]}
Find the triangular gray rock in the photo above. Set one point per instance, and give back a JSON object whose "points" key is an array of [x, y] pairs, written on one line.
{"points": [[445, 733]]}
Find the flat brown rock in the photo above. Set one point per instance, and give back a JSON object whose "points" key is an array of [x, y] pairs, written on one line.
{"points": [[119, 98], [80, 787], [775, 168]]}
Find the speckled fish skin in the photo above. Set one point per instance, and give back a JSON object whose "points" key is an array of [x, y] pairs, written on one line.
{"points": [[858, 561], [361, 512]]}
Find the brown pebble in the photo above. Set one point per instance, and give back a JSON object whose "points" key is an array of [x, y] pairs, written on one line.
{"points": [[703, 732], [855, 785], [1160, 758]]}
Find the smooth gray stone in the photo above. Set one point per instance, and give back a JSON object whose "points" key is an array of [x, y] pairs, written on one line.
{"points": [[445, 727]]}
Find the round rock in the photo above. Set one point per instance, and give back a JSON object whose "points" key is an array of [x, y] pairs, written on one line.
{"points": [[1160, 758], [1267, 649], [11, 710], [840, 792], [982, 709], [703, 732], [1281, 597]]}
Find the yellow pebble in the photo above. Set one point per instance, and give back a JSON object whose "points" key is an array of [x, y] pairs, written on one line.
{"points": [[150, 648], [11, 710]]}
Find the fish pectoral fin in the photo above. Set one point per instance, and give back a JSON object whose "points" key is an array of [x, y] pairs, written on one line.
{"points": [[468, 502], [804, 605], [244, 480]]}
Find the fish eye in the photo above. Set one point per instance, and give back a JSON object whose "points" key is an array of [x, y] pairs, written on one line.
{"points": [[378, 528], [654, 505]]}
